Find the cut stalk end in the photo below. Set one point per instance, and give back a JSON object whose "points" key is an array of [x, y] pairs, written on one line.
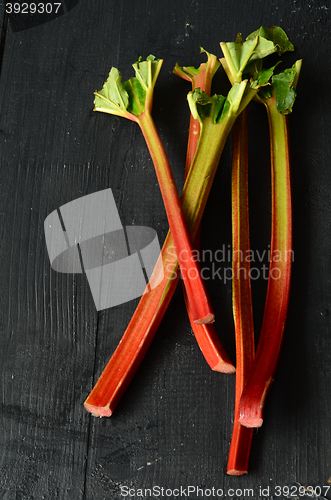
{"points": [[210, 318], [98, 411], [251, 421], [224, 367], [235, 472], [210, 344]]}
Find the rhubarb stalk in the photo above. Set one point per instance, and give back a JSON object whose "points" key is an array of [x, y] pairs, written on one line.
{"points": [[271, 336], [237, 55], [278, 104], [133, 100], [190, 270], [241, 292], [206, 335]]}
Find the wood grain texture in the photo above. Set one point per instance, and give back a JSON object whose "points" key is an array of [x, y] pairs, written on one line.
{"points": [[173, 426]]}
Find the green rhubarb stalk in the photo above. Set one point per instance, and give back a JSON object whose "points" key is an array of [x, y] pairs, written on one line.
{"points": [[278, 100], [216, 117], [133, 100], [206, 335]]}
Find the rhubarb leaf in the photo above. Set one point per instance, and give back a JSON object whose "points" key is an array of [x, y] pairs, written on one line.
{"points": [[244, 57], [147, 71], [260, 77], [129, 98], [240, 53], [262, 49], [112, 98], [282, 88], [137, 96], [236, 96], [219, 107], [276, 35], [216, 107], [285, 93], [201, 105]]}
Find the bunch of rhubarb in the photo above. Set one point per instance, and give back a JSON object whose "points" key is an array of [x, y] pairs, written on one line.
{"points": [[212, 118]]}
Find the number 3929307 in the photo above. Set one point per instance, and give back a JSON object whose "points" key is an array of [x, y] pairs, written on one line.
{"points": [[32, 8]]}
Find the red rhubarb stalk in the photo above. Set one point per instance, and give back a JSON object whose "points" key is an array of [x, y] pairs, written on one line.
{"points": [[241, 292], [278, 291], [206, 335], [133, 100], [141, 330], [189, 267]]}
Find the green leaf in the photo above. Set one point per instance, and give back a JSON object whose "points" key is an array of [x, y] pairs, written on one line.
{"points": [[285, 93], [216, 107], [130, 97], [201, 104], [236, 95], [276, 35], [219, 108], [147, 71], [112, 98], [137, 96], [263, 48], [186, 72], [263, 76], [239, 54]]}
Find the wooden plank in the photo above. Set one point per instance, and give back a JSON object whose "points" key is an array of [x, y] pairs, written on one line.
{"points": [[173, 427]]}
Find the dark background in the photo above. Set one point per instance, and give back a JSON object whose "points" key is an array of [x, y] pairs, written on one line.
{"points": [[173, 426]]}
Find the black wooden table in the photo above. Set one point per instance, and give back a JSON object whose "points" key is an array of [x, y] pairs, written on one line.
{"points": [[172, 428]]}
